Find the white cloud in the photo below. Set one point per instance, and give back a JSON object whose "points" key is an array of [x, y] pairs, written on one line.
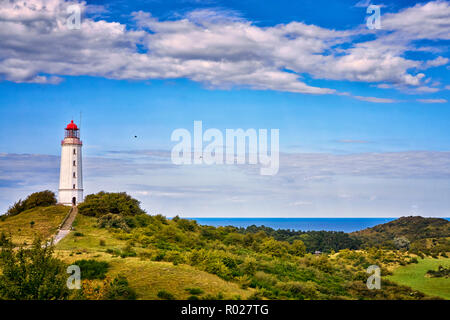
{"points": [[366, 3], [363, 4], [432, 100], [308, 184], [374, 99], [215, 47], [439, 61], [426, 89], [423, 21]]}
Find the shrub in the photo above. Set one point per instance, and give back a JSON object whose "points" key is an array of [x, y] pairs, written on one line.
{"points": [[249, 266], [300, 290], [38, 199], [186, 225], [103, 203], [92, 269], [78, 234], [255, 296], [162, 294], [4, 239], [111, 220], [102, 242], [119, 289], [264, 280], [195, 291], [441, 272], [128, 251], [401, 243], [274, 247], [413, 260], [32, 274], [297, 248], [212, 297]]}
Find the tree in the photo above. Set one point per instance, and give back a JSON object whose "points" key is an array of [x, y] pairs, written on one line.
{"points": [[38, 199], [32, 274], [401, 243], [298, 248], [274, 247], [102, 203]]}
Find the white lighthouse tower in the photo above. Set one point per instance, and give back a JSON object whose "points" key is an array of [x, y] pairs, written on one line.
{"points": [[71, 173]]}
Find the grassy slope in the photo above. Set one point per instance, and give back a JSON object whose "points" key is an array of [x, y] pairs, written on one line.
{"points": [[146, 277], [413, 275], [412, 228], [46, 223], [149, 277]]}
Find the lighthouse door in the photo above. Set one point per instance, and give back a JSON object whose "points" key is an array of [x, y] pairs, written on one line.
{"points": [[74, 201]]}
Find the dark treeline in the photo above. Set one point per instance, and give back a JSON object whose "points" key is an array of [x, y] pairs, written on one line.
{"points": [[324, 241]]}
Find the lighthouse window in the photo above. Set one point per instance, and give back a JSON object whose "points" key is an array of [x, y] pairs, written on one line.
{"points": [[74, 186], [74, 163], [74, 151], [74, 174]]}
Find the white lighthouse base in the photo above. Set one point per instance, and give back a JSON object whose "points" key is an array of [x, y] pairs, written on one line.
{"points": [[69, 197]]}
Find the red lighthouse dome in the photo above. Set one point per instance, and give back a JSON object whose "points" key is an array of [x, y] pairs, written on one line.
{"points": [[72, 134], [71, 126]]}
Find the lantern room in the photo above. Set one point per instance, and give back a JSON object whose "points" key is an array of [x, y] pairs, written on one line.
{"points": [[72, 131]]}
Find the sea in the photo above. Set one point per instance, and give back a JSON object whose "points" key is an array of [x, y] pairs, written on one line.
{"points": [[303, 224]]}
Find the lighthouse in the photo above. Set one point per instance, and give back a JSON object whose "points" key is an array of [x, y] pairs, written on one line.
{"points": [[71, 173]]}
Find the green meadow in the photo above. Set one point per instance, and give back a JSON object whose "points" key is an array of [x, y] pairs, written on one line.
{"points": [[414, 276]]}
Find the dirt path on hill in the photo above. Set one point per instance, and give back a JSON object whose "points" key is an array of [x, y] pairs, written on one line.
{"points": [[64, 230]]}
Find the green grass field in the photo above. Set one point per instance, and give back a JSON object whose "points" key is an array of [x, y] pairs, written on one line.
{"points": [[91, 237], [413, 275], [150, 277], [46, 222], [146, 277]]}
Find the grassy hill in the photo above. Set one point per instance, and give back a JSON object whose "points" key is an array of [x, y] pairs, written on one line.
{"points": [[414, 276], [412, 228], [177, 256], [40, 221], [146, 277], [150, 277]]}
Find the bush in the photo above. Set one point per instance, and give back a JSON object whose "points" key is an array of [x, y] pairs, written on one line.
{"points": [[128, 251], [111, 220], [162, 294], [441, 272], [299, 290], [92, 269], [297, 248], [32, 274], [119, 289], [414, 260], [401, 243], [4, 239], [195, 291], [38, 199], [186, 225], [103, 203]]}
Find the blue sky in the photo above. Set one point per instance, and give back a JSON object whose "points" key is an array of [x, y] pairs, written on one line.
{"points": [[373, 99]]}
